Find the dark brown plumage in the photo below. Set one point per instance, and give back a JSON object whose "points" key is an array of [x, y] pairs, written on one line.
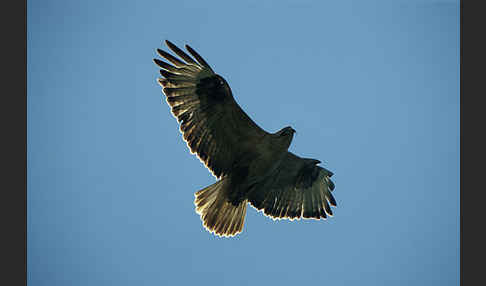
{"points": [[252, 165]]}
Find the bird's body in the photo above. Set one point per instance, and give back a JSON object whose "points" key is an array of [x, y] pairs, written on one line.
{"points": [[251, 164], [251, 168]]}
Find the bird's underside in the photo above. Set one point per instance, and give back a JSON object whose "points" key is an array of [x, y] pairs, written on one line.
{"points": [[251, 165]]}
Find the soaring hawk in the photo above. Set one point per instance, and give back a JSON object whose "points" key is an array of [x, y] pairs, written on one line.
{"points": [[251, 165]]}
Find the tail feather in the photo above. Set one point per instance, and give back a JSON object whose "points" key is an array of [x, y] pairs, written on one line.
{"points": [[219, 215]]}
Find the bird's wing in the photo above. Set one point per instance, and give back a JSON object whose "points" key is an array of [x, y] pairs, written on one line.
{"points": [[298, 188], [212, 123]]}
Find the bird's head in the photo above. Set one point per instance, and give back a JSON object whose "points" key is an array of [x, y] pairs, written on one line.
{"points": [[285, 135]]}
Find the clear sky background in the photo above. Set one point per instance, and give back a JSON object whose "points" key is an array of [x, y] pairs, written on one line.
{"points": [[372, 88]]}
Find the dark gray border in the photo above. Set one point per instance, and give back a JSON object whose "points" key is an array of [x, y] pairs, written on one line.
{"points": [[472, 129], [13, 117]]}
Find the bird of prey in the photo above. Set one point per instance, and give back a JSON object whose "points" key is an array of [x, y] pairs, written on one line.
{"points": [[251, 165]]}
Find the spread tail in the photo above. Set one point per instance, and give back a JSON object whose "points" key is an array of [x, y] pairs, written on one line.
{"points": [[218, 214]]}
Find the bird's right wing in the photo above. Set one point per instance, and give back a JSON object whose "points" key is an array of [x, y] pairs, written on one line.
{"points": [[212, 123], [297, 189]]}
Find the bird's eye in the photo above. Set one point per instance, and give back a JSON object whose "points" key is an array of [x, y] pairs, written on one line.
{"points": [[221, 82]]}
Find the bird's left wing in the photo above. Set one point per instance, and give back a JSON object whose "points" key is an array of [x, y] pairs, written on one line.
{"points": [[212, 123], [297, 189]]}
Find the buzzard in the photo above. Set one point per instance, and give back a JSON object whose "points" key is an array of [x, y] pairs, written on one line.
{"points": [[251, 165]]}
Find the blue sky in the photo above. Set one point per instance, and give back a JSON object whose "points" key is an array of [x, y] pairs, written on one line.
{"points": [[372, 88]]}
